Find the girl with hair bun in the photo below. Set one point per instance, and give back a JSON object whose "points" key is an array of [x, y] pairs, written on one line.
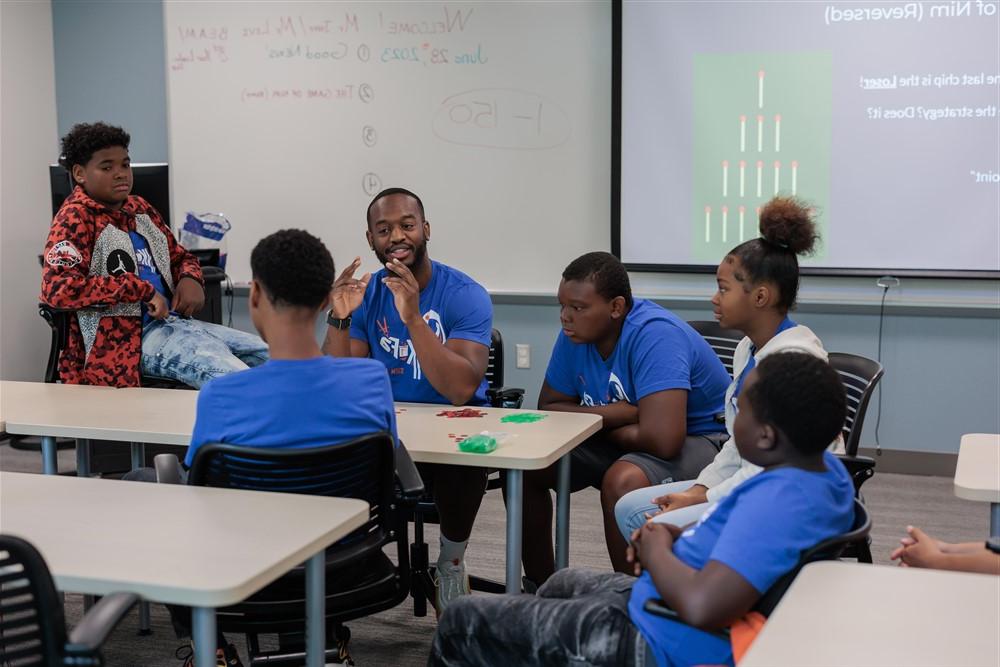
{"points": [[758, 282]]}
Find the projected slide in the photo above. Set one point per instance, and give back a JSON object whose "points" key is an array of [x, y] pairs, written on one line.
{"points": [[882, 116], [761, 126]]}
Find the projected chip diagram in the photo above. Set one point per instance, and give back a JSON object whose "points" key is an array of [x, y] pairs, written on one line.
{"points": [[762, 127]]}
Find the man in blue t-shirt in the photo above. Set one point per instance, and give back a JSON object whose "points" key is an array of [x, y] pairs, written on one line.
{"points": [[430, 325], [652, 378], [712, 574]]}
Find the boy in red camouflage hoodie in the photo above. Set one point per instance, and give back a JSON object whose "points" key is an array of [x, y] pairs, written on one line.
{"points": [[112, 259]]}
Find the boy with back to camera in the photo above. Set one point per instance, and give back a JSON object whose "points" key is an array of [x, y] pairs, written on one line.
{"points": [[712, 573], [300, 397], [112, 259]]}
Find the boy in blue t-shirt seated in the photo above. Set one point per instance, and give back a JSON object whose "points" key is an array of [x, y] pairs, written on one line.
{"points": [[300, 397], [652, 378], [713, 573]]}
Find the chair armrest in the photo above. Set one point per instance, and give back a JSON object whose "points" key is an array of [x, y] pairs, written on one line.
{"points": [[97, 624], [505, 397], [212, 275], [659, 608], [411, 487], [168, 469], [860, 468]]}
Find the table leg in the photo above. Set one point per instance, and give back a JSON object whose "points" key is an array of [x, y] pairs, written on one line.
{"points": [[50, 465], [562, 514], [138, 455], [138, 460], [82, 458], [145, 626], [994, 519], [316, 610], [515, 487], [203, 634]]}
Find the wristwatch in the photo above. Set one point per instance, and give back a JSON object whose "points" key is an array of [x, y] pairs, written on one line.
{"points": [[336, 322]]}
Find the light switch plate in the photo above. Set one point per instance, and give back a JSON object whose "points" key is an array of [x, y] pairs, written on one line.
{"points": [[523, 355]]}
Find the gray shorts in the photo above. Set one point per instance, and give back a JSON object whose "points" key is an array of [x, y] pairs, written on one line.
{"points": [[592, 459], [698, 452]]}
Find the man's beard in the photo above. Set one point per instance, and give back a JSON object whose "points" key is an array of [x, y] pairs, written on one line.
{"points": [[419, 252]]}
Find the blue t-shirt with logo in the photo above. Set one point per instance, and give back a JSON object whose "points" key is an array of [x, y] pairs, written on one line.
{"points": [[452, 304], [656, 351], [759, 530], [295, 404], [147, 270]]}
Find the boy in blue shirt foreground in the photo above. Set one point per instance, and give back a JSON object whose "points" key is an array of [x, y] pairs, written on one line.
{"points": [[712, 573], [300, 397]]}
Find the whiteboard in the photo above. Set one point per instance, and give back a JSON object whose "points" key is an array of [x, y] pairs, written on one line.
{"points": [[498, 114]]}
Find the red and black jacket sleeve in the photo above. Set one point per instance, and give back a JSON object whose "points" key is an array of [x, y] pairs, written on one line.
{"points": [[66, 282]]}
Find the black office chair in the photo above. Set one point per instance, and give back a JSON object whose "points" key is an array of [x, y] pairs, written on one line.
{"points": [[860, 376], [425, 512], [498, 395], [360, 578], [32, 622], [830, 549], [723, 341]]}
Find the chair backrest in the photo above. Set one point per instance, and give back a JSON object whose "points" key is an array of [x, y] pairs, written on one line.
{"points": [[362, 468], [829, 549], [859, 375], [723, 341], [59, 323], [494, 367], [32, 625]]}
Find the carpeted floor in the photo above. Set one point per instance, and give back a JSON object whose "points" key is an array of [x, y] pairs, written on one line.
{"points": [[397, 638]]}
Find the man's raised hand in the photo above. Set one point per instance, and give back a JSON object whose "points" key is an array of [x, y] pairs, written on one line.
{"points": [[405, 291], [348, 291]]}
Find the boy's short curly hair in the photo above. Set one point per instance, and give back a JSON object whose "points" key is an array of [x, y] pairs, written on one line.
{"points": [[293, 267], [606, 272], [85, 139], [803, 396]]}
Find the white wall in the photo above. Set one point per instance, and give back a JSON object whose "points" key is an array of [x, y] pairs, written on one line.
{"points": [[28, 142]]}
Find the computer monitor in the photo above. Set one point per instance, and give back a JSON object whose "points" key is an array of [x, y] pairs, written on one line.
{"points": [[151, 181]]}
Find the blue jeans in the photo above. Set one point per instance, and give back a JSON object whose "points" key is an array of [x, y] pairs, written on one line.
{"points": [[194, 352], [631, 509]]}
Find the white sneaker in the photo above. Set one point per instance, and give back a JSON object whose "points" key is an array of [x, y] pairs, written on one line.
{"points": [[450, 582]]}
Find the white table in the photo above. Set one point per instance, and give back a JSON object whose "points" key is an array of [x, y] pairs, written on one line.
{"points": [[839, 614], [194, 546], [166, 416], [530, 446], [977, 476], [134, 415]]}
